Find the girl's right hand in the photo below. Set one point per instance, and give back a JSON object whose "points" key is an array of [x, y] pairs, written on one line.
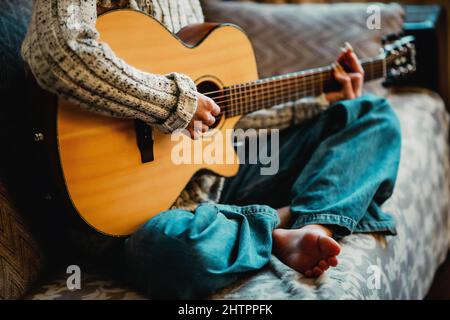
{"points": [[204, 116]]}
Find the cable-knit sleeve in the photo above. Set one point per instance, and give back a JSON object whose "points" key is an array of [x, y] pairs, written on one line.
{"points": [[63, 51]]}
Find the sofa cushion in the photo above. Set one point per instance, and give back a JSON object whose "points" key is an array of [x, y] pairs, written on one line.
{"points": [[404, 264], [95, 284]]}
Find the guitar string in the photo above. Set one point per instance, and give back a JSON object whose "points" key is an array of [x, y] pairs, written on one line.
{"points": [[262, 86], [279, 82], [248, 105], [275, 79], [292, 83], [268, 93], [305, 86], [300, 74], [270, 90], [374, 72], [263, 102]]}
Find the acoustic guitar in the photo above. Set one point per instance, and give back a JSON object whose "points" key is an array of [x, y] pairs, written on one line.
{"points": [[118, 173]]}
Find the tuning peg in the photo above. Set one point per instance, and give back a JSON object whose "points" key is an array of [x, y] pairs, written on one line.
{"points": [[410, 67], [389, 38]]}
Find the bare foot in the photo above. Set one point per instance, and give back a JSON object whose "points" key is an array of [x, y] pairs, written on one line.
{"points": [[310, 250]]}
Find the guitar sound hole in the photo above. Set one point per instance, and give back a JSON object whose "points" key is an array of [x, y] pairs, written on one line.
{"points": [[212, 90]]}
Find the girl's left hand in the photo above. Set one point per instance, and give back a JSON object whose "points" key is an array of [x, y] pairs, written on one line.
{"points": [[351, 82]]}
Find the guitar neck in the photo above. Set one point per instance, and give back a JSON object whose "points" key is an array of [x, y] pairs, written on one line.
{"points": [[244, 98]]}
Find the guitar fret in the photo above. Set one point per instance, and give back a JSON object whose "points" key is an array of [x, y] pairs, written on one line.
{"points": [[240, 103], [264, 93], [245, 101], [304, 85], [289, 88], [233, 100], [233, 97]]}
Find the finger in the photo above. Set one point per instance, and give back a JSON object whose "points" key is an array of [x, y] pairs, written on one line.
{"points": [[348, 46], [197, 125], [212, 107], [345, 81], [342, 55], [207, 118], [193, 134], [357, 63], [354, 64], [215, 109], [357, 83], [204, 128], [210, 120], [349, 59]]}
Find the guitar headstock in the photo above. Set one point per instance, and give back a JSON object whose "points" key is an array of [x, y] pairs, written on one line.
{"points": [[400, 56]]}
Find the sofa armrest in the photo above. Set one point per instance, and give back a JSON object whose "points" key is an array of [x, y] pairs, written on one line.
{"points": [[428, 24]]}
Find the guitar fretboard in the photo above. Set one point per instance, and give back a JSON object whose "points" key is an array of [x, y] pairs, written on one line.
{"points": [[244, 98]]}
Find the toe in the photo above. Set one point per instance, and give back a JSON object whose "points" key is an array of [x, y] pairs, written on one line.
{"points": [[309, 273], [328, 246], [333, 261], [323, 265], [317, 271]]}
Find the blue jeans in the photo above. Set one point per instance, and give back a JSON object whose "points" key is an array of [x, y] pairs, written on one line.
{"points": [[335, 169]]}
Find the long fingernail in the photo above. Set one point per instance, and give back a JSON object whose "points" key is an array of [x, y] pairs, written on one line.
{"points": [[335, 67], [348, 46]]}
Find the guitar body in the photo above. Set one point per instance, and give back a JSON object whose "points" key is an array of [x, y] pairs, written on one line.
{"points": [[107, 183]]}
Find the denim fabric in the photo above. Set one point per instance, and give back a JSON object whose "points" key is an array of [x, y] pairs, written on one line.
{"points": [[177, 254], [335, 169]]}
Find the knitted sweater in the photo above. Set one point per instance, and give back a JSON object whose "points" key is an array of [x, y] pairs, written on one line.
{"points": [[65, 56]]}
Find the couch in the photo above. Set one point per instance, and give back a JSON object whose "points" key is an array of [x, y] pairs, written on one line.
{"points": [[286, 38]]}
